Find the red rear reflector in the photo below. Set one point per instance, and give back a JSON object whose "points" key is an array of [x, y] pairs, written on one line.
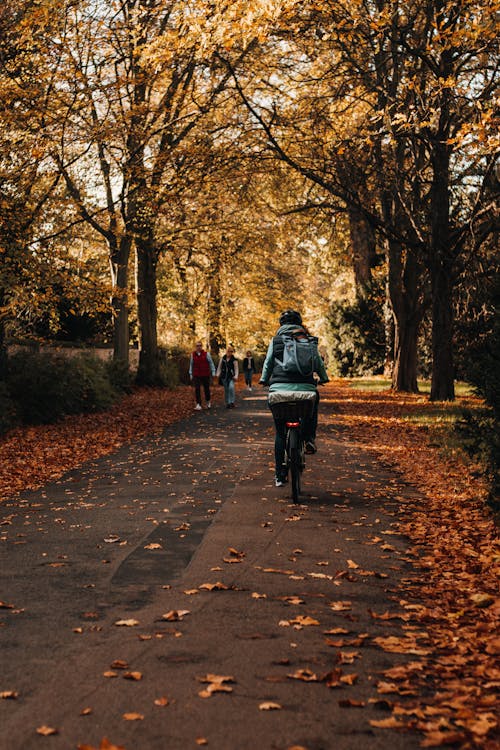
{"points": [[293, 424]]}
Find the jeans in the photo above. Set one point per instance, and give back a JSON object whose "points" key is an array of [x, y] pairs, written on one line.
{"points": [[248, 378], [229, 391], [309, 427], [199, 381]]}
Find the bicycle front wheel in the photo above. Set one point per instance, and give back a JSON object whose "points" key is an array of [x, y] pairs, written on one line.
{"points": [[295, 462]]}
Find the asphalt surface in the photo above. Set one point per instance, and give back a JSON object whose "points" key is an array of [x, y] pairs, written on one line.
{"points": [[248, 621]]}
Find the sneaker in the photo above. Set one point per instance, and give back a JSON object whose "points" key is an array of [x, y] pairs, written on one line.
{"points": [[311, 446], [209, 405], [198, 407], [280, 481]]}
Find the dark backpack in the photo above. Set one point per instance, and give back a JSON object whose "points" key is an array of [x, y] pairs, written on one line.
{"points": [[300, 353]]}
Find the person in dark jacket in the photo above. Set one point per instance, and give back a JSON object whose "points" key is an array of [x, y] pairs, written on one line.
{"points": [[248, 369], [201, 370], [278, 380], [227, 372]]}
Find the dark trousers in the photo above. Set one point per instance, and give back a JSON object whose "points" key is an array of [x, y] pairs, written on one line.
{"points": [[201, 380], [309, 427]]}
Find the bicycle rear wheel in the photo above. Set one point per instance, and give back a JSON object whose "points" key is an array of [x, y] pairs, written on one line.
{"points": [[295, 462]]}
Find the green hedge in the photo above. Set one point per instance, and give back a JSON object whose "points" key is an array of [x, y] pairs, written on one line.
{"points": [[357, 337], [45, 387]]}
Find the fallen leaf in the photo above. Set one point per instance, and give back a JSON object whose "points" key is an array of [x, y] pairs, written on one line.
{"points": [[9, 695], [135, 676], [438, 739], [174, 615], [218, 586], [163, 701], [104, 745], [119, 664], [127, 623], [390, 723], [340, 606], [269, 706], [350, 703], [133, 716], [153, 545], [47, 731], [306, 675], [304, 620], [482, 600]]}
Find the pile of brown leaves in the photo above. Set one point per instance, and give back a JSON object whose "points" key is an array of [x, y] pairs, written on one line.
{"points": [[32, 456], [454, 597]]}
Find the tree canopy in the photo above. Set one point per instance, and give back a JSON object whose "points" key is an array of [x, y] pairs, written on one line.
{"points": [[226, 159]]}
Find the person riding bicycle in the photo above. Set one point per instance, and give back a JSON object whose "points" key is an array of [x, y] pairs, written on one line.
{"points": [[274, 375]]}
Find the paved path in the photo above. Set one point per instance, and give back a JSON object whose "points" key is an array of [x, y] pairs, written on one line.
{"points": [[191, 522]]}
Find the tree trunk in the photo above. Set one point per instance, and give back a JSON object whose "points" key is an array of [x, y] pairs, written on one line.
{"points": [[363, 250], [442, 252], [404, 282], [404, 374], [3, 347], [216, 340], [442, 383], [119, 270], [149, 371]]}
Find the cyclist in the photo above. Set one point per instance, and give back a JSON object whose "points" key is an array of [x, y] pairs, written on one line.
{"points": [[278, 380]]}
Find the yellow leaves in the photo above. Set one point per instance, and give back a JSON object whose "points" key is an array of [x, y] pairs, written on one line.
{"points": [[133, 716], [127, 623]]}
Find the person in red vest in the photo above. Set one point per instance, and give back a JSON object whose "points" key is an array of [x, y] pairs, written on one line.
{"points": [[201, 370]]}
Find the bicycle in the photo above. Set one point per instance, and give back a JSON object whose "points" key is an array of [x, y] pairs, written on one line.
{"points": [[293, 407]]}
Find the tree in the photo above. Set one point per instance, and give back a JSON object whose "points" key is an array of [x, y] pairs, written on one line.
{"points": [[408, 90]]}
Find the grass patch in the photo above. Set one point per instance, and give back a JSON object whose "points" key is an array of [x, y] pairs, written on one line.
{"points": [[380, 383]]}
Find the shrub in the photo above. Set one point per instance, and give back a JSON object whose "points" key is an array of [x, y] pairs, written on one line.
{"points": [[481, 432], [119, 375], [47, 386], [358, 339], [7, 409]]}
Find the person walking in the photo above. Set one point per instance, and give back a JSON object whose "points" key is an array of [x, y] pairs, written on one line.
{"points": [[278, 379], [201, 370], [227, 372], [248, 369]]}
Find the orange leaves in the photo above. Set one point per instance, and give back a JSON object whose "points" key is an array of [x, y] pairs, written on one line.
{"points": [[105, 744], [25, 462], [174, 615], [11, 695], [46, 731], [234, 556]]}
